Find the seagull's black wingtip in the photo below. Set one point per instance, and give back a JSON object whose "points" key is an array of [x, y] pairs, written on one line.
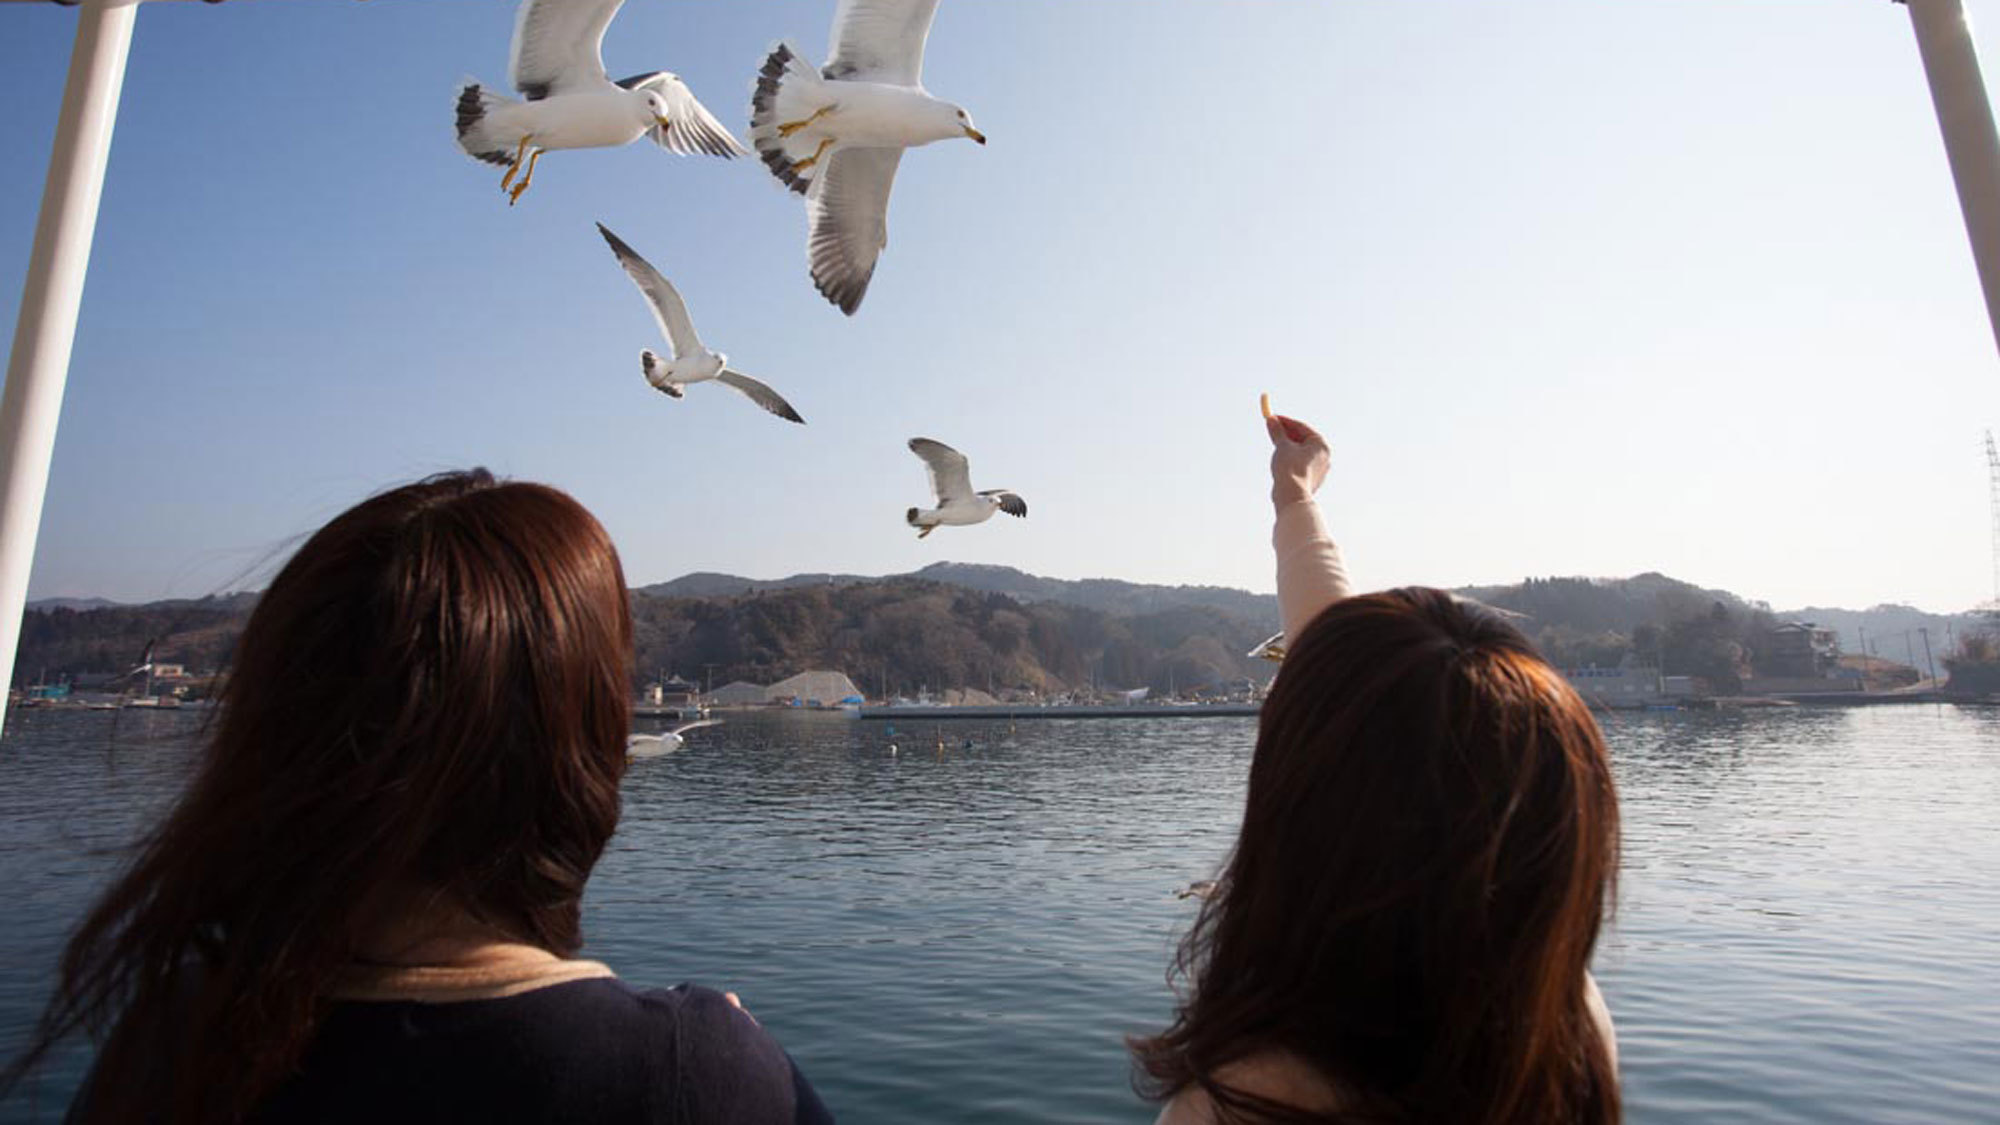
{"points": [[616, 243]]}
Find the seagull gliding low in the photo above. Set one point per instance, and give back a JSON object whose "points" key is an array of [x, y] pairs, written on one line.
{"points": [[666, 742]]}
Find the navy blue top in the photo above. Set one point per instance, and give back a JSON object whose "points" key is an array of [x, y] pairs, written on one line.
{"points": [[586, 1051]]}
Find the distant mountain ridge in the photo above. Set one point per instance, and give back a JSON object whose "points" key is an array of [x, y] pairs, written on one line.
{"points": [[971, 625], [1886, 622], [43, 605], [240, 599], [1106, 595], [710, 584]]}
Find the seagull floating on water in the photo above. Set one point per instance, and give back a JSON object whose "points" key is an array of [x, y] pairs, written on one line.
{"points": [[692, 363], [951, 481], [666, 742], [557, 65], [835, 135]]}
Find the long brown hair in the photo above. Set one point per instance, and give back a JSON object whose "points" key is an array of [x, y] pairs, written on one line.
{"points": [[1429, 846], [431, 699]]}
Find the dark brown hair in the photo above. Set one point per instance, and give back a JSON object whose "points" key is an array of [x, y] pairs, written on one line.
{"points": [[1429, 846], [430, 700]]}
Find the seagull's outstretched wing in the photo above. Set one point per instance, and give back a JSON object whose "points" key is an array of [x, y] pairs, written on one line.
{"points": [[690, 128], [696, 725], [145, 661], [1010, 502], [951, 475], [556, 46], [848, 213], [761, 395], [1273, 649], [648, 745], [668, 308], [881, 40]]}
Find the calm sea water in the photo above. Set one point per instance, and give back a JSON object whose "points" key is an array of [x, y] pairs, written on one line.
{"points": [[1809, 928]]}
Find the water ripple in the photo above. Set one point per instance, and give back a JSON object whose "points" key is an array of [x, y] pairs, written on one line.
{"points": [[1809, 925]]}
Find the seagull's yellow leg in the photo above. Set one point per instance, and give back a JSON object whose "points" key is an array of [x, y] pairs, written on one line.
{"points": [[926, 531], [814, 158], [520, 154], [527, 178], [787, 128]]}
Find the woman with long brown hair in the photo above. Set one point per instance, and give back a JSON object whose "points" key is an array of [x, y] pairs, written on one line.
{"points": [[1429, 847], [365, 905]]}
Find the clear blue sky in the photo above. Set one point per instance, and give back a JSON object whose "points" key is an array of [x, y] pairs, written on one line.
{"points": [[1576, 287]]}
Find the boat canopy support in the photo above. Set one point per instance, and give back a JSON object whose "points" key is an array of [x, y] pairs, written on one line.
{"points": [[1965, 116], [38, 365]]}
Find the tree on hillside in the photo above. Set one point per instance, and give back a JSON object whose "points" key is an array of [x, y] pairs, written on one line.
{"points": [[1567, 647], [1717, 643]]}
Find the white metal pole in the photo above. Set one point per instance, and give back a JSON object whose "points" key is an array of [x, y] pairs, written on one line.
{"points": [[39, 364], [1944, 38]]}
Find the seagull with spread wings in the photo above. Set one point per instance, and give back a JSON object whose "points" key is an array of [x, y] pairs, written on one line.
{"points": [[951, 481], [692, 362], [835, 135], [557, 66], [665, 742]]}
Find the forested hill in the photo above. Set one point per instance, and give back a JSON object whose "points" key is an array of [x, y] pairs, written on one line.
{"points": [[898, 635], [1110, 595], [957, 625], [58, 641], [894, 635]]}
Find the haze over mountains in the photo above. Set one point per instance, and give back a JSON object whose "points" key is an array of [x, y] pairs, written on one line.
{"points": [[967, 625]]}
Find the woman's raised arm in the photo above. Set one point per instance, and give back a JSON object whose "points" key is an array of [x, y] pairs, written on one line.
{"points": [[1311, 575]]}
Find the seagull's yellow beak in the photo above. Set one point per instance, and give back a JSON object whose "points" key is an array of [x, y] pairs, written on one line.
{"points": [[661, 121], [975, 134]]}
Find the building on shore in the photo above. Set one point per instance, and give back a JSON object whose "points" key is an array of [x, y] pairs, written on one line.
{"points": [[1800, 658], [740, 693], [1972, 679], [1836, 681], [672, 691], [1798, 650], [1631, 686], [817, 688]]}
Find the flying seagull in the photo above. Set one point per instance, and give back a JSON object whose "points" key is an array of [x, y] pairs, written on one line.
{"points": [[1273, 649], [145, 662], [835, 135], [957, 504], [571, 103], [692, 363], [664, 743]]}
